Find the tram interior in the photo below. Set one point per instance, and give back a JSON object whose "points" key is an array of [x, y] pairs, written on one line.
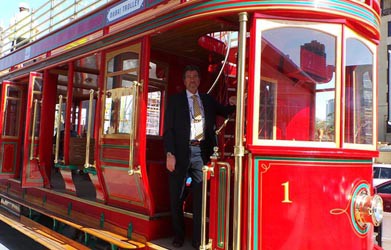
{"points": [[85, 80], [170, 52]]}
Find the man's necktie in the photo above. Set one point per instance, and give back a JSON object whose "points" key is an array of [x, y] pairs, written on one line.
{"points": [[196, 109], [197, 118]]}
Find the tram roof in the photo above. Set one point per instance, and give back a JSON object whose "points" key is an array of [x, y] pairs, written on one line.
{"points": [[172, 19]]}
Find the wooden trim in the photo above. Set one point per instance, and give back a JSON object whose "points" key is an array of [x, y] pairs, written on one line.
{"points": [[40, 233]]}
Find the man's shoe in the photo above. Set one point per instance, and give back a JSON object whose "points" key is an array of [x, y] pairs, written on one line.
{"points": [[177, 242]]}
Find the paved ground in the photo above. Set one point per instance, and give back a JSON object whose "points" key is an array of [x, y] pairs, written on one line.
{"points": [[11, 239]]}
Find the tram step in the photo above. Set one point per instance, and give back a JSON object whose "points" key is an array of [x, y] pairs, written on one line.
{"points": [[116, 240], [107, 236], [41, 234]]}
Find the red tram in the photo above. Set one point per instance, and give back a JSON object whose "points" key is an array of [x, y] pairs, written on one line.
{"points": [[82, 159]]}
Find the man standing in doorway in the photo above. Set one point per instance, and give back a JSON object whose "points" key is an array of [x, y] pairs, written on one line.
{"points": [[189, 138]]}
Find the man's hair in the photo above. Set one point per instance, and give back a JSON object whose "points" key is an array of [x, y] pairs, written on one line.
{"points": [[191, 68]]}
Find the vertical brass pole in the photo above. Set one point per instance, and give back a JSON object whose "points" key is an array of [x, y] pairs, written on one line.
{"points": [[87, 162], [33, 130], [133, 133], [239, 126], [58, 129]]}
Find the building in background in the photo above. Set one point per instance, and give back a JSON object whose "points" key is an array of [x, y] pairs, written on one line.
{"points": [[384, 106]]}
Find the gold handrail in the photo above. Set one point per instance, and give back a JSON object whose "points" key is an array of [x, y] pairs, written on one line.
{"points": [[87, 161], [33, 131], [218, 131], [205, 171], [58, 129], [133, 170]]}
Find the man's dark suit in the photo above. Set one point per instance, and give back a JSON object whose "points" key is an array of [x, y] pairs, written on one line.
{"points": [[176, 140]]}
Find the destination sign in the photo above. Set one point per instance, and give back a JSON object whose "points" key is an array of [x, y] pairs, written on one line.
{"points": [[123, 9]]}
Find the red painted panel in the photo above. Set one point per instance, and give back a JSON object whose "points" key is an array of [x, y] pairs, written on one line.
{"points": [[46, 126], [124, 187], [158, 184], [9, 158]]}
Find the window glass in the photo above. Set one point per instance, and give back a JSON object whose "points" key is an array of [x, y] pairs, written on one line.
{"points": [[358, 93], [127, 61], [36, 112], [122, 71], [267, 106], [297, 85], [118, 111], [156, 90], [12, 111], [36, 106], [153, 112]]}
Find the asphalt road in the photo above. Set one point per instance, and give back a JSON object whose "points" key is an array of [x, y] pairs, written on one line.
{"points": [[14, 240]]}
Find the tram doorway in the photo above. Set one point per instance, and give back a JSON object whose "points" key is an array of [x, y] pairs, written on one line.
{"points": [[23, 139], [77, 85], [11, 122]]}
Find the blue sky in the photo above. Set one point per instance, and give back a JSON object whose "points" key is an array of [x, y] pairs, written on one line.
{"points": [[9, 9]]}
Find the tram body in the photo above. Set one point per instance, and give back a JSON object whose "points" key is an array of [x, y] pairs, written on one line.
{"points": [[82, 122]]}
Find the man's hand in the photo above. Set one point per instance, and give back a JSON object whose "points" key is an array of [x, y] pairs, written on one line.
{"points": [[170, 162]]}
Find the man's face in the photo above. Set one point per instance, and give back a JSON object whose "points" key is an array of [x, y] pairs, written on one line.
{"points": [[192, 81]]}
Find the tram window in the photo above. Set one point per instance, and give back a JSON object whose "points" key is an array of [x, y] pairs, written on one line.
{"points": [[118, 112], [297, 85], [12, 111], [37, 96], [358, 93], [156, 90], [154, 111], [122, 72], [124, 62]]}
